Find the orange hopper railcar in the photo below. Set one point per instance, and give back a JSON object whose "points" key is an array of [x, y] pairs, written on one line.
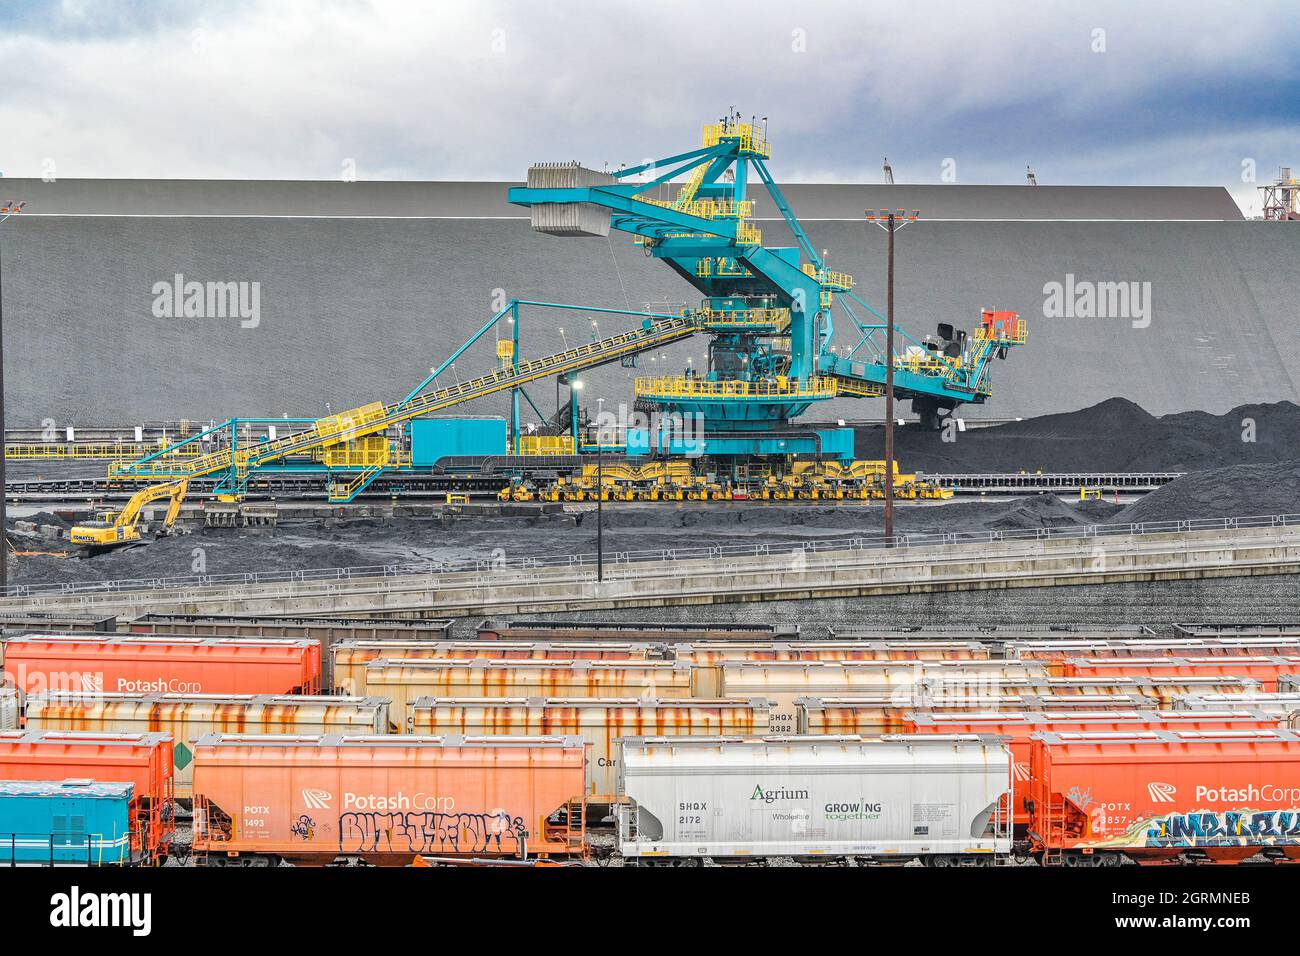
{"points": [[145, 760], [316, 800], [1020, 727], [1165, 796], [131, 663], [1266, 669]]}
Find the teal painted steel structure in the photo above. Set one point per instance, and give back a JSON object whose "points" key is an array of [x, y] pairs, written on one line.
{"points": [[705, 238]]}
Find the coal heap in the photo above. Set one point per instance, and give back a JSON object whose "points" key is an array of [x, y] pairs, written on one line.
{"points": [[1237, 491], [1113, 436]]}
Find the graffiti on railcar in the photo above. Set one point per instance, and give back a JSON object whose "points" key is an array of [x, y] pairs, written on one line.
{"points": [[1228, 828], [432, 832]]}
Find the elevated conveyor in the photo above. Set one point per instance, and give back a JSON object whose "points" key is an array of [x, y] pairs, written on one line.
{"points": [[376, 418]]}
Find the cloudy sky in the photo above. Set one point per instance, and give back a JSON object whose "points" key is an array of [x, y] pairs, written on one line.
{"points": [[1105, 92]]}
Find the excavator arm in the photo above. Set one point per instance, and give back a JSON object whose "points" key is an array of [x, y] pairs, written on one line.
{"points": [[125, 525]]}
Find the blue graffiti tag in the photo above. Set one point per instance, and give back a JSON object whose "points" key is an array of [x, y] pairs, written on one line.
{"points": [[1231, 828]]}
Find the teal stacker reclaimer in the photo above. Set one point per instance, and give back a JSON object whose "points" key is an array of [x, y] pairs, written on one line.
{"points": [[729, 428]]}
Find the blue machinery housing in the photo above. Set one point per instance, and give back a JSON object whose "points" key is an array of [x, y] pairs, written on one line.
{"points": [[69, 823]]}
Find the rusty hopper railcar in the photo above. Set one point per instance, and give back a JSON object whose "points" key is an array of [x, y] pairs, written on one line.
{"points": [[782, 682], [1162, 689], [351, 657], [895, 798], [403, 682], [188, 717], [385, 800], [870, 716], [709, 652], [714, 654], [601, 722], [1165, 796]]}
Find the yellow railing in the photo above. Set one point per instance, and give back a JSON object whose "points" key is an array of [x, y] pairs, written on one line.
{"points": [[1019, 335], [720, 266], [749, 136], [358, 453], [686, 387], [860, 389], [100, 450], [776, 317], [546, 444], [839, 281], [748, 234], [706, 208], [344, 491], [687, 194], [352, 418]]}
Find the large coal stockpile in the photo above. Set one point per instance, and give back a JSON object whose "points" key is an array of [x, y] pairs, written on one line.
{"points": [[1234, 492], [1114, 436]]}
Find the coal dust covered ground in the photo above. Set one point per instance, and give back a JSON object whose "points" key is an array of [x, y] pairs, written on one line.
{"points": [[1243, 463], [1113, 436], [632, 527]]}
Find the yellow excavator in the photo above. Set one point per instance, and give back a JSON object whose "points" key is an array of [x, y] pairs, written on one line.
{"points": [[124, 526]]}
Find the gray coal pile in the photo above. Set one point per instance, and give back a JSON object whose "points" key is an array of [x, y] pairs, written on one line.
{"points": [[1238, 491], [627, 527], [1114, 436]]}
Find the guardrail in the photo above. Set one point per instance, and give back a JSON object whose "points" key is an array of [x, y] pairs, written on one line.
{"points": [[899, 545]]}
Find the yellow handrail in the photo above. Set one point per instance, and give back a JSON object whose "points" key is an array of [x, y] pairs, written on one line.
{"points": [[686, 387]]}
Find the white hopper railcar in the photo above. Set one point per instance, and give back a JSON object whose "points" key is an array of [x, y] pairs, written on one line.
{"points": [[941, 799]]}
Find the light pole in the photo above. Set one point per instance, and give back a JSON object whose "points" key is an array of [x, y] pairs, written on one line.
{"points": [[600, 494], [891, 222], [7, 210], [600, 515]]}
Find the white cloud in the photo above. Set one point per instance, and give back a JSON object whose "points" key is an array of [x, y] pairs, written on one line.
{"points": [[477, 90]]}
